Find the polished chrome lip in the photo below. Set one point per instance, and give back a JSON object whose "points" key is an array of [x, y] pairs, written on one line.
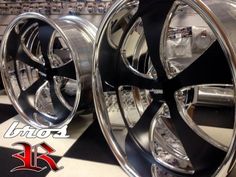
{"points": [[97, 90], [86, 27], [201, 8]]}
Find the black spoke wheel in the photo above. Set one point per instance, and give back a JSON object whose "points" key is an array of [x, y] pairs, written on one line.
{"points": [[46, 67], [164, 86]]}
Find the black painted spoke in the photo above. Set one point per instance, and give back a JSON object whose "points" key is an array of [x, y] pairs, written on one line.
{"points": [[26, 97], [67, 70], [15, 39], [61, 112], [31, 90], [25, 58], [13, 46], [202, 154], [141, 129], [135, 154], [153, 21], [128, 77], [210, 68], [45, 34]]}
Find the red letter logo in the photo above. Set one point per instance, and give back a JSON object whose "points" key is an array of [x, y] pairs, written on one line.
{"points": [[30, 163]]}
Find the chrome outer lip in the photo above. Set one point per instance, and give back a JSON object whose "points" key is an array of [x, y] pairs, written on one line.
{"points": [[224, 33], [78, 35], [99, 100]]}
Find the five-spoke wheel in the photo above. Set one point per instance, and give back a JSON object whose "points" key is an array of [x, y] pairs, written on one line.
{"points": [[164, 86], [46, 67]]}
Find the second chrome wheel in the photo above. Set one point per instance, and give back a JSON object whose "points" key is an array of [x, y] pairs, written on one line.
{"points": [[46, 67], [164, 86]]}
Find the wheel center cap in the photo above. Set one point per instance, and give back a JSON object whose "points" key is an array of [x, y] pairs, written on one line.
{"points": [[49, 73]]}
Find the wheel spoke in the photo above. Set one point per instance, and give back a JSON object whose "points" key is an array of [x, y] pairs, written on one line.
{"points": [[13, 46], [60, 110], [153, 22], [67, 70], [26, 97], [30, 91], [141, 130], [210, 68], [202, 154], [45, 34], [16, 37], [134, 154], [16, 48]]}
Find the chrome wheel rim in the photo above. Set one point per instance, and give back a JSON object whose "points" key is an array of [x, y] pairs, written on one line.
{"points": [[149, 118], [46, 67]]}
